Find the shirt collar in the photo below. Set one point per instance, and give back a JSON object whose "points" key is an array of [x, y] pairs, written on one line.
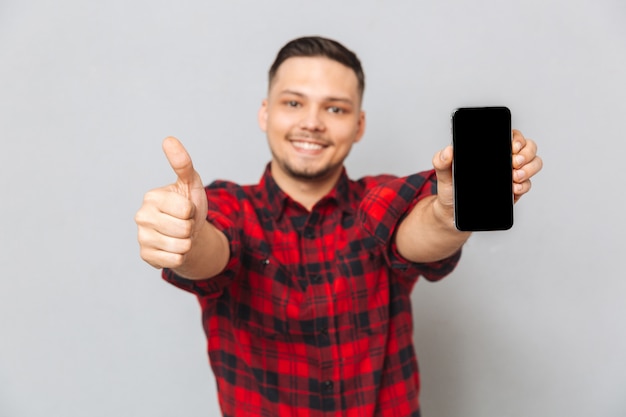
{"points": [[278, 199]]}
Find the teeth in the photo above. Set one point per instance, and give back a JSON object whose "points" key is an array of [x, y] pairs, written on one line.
{"points": [[308, 146]]}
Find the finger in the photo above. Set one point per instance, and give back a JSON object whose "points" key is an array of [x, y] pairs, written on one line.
{"points": [[166, 200], [175, 228], [159, 250], [521, 189], [532, 168], [152, 225], [518, 141], [528, 170], [442, 162], [179, 160], [151, 240], [170, 226], [526, 154], [173, 245], [160, 259]]}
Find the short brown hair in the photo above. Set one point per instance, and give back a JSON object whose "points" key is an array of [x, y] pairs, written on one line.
{"points": [[312, 46]]}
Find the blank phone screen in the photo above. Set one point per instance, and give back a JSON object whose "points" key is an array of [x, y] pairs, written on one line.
{"points": [[482, 171]]}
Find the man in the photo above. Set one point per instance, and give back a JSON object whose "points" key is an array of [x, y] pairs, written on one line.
{"points": [[304, 279]]}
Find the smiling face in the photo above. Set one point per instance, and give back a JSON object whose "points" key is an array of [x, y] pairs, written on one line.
{"points": [[312, 117]]}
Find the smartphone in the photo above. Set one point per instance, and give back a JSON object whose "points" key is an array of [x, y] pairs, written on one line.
{"points": [[482, 168]]}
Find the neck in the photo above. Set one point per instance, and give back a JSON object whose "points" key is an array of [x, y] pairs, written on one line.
{"points": [[305, 192]]}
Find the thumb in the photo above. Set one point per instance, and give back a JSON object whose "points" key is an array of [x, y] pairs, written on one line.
{"points": [[179, 160], [188, 183], [442, 162]]}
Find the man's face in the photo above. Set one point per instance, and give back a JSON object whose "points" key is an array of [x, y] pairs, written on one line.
{"points": [[312, 117]]}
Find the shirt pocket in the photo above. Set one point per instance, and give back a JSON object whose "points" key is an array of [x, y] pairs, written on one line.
{"points": [[268, 297], [367, 287]]}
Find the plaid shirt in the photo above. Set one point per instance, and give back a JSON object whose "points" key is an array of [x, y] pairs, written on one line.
{"points": [[312, 315]]}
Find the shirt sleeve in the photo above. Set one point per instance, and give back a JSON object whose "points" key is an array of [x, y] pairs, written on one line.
{"points": [[382, 210], [224, 209]]}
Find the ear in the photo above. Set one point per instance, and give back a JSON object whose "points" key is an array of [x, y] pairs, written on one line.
{"points": [[262, 116], [360, 127]]}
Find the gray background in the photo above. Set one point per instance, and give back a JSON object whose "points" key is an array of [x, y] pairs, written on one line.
{"points": [[532, 323]]}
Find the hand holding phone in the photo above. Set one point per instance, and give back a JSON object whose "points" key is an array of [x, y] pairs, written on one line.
{"points": [[482, 168]]}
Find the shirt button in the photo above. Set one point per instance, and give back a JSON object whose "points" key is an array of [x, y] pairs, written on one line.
{"points": [[265, 262], [328, 386], [309, 234], [324, 331], [317, 278]]}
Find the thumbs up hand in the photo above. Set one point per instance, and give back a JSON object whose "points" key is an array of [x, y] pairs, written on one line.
{"points": [[188, 184], [171, 219]]}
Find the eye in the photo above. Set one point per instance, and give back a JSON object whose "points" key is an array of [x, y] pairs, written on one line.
{"points": [[336, 110], [292, 103]]}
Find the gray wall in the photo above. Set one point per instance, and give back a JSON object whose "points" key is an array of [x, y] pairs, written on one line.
{"points": [[532, 323]]}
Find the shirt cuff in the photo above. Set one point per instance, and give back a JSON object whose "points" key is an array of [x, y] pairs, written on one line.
{"points": [[383, 209]]}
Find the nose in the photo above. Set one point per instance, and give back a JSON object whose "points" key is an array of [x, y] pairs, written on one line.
{"points": [[312, 120]]}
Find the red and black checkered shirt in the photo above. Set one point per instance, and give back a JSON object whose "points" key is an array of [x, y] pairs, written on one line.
{"points": [[312, 315]]}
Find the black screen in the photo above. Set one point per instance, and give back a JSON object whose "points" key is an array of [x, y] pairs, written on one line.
{"points": [[483, 193]]}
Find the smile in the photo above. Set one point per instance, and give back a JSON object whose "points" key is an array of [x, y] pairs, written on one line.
{"points": [[307, 146]]}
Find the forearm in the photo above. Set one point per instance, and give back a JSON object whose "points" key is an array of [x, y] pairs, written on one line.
{"points": [[428, 234], [208, 255]]}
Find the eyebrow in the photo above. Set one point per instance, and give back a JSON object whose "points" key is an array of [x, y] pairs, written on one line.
{"points": [[327, 99]]}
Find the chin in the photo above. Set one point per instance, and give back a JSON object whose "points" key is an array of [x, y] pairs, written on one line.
{"points": [[310, 174]]}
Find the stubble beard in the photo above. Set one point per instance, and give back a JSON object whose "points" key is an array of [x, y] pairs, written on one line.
{"points": [[307, 174], [304, 173]]}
